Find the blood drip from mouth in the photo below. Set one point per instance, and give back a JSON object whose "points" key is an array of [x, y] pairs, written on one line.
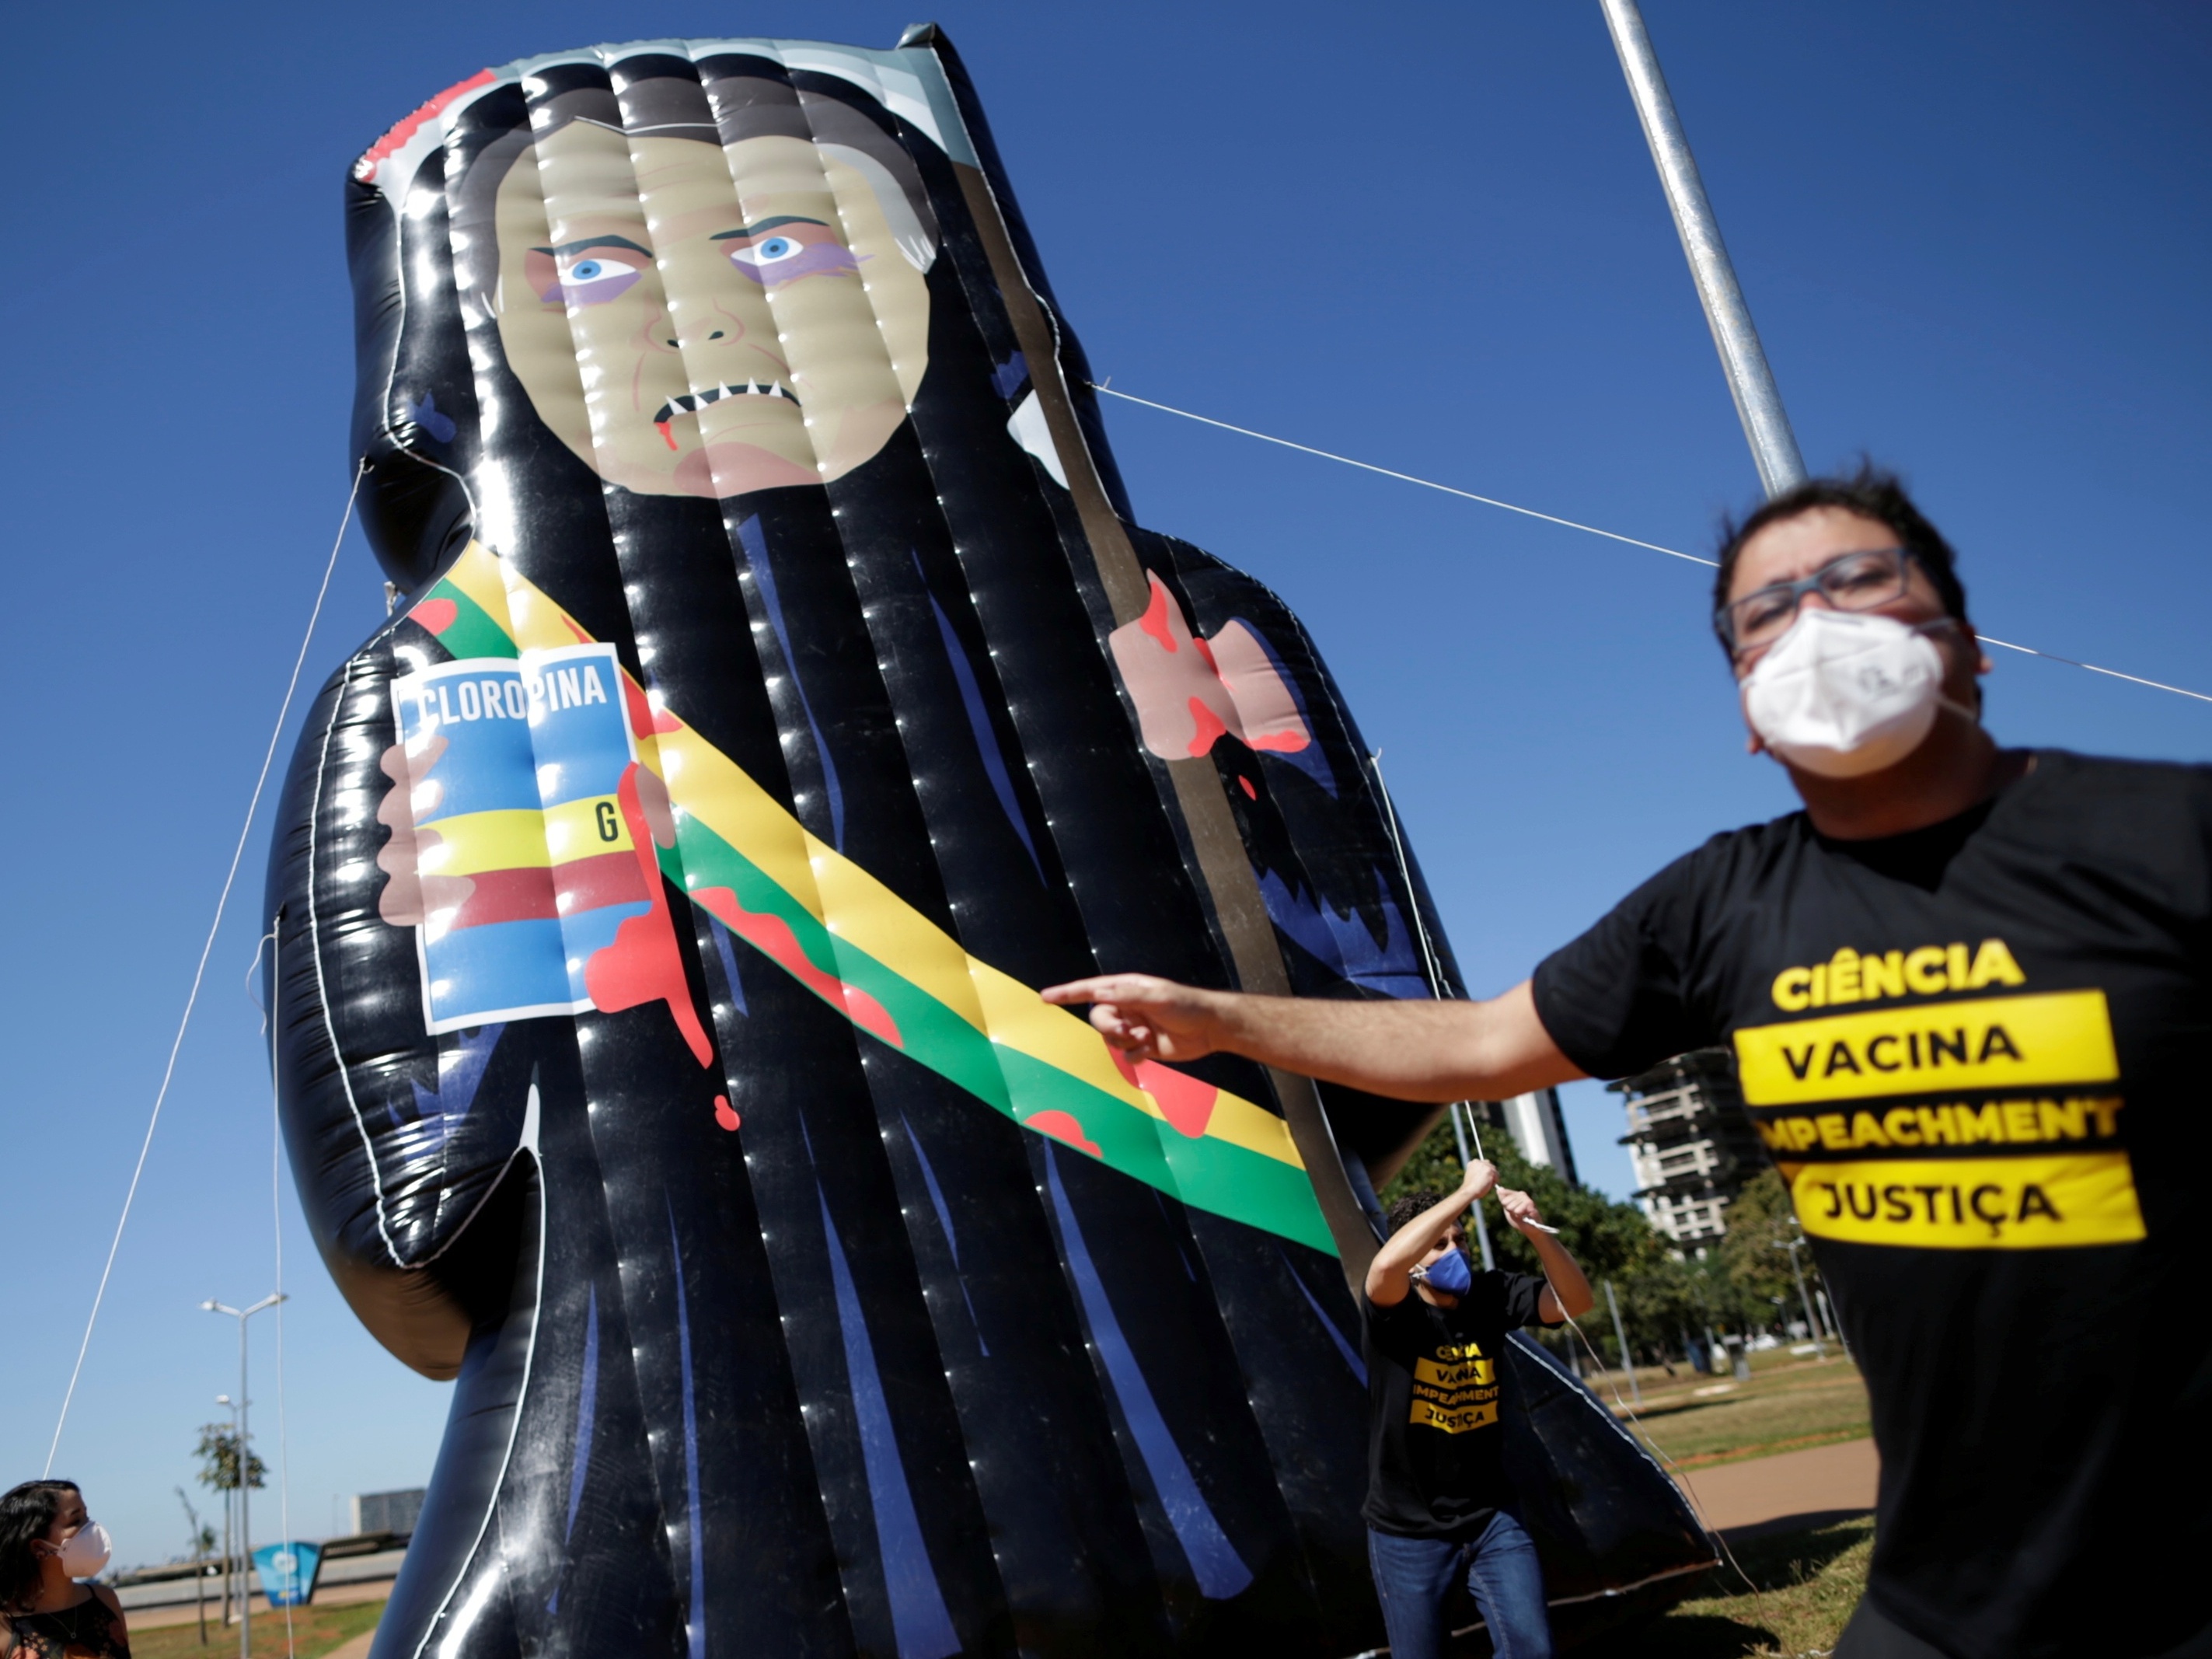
{"points": [[667, 435]]}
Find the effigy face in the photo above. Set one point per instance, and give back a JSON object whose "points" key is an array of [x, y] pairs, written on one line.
{"points": [[769, 269], [779, 693]]}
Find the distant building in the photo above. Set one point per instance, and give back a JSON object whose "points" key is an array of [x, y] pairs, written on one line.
{"points": [[1538, 1129], [1692, 1146], [387, 1511]]}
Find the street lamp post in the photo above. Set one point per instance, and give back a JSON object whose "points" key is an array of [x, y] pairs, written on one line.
{"points": [[245, 1469], [1812, 1319]]}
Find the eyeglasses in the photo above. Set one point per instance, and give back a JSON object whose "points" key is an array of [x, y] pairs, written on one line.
{"points": [[1849, 581]]}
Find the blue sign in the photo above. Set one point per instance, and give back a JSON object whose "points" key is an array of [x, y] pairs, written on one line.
{"points": [[288, 1571]]}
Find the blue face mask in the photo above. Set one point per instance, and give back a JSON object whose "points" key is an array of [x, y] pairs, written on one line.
{"points": [[1449, 1274]]}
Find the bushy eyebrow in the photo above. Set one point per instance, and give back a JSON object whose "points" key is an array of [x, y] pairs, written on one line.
{"points": [[766, 224], [584, 242]]}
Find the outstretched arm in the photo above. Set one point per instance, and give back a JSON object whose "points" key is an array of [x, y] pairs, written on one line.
{"points": [[1566, 1293], [1428, 1051]]}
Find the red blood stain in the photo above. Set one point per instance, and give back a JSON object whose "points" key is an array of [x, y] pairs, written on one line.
{"points": [[1250, 794], [1209, 726], [1187, 1103], [1155, 619], [1230, 685], [1063, 1127], [643, 964], [436, 615], [644, 719], [666, 432], [725, 1114], [772, 936]]}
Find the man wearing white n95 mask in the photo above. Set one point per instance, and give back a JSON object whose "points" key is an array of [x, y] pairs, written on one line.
{"points": [[1969, 990]]}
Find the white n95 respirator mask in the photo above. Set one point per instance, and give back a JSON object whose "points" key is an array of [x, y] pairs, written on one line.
{"points": [[86, 1551], [1845, 693]]}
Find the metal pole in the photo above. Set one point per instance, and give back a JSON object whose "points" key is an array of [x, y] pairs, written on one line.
{"points": [[245, 1472], [1835, 1324], [1620, 1335], [1481, 1228], [1751, 382], [1812, 1319], [244, 1508]]}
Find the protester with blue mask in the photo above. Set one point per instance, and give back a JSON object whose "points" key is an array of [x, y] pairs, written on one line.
{"points": [[1438, 1503]]}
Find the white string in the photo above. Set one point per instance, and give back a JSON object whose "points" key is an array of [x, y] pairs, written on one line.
{"points": [[199, 973], [1681, 1480], [1403, 477], [1436, 987], [1591, 529], [2133, 679], [1405, 874]]}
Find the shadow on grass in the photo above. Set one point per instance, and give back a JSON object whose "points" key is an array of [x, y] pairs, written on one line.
{"points": [[1698, 1636], [1805, 1591], [1781, 1559]]}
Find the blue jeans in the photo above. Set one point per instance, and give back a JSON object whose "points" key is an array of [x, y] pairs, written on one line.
{"points": [[1414, 1577]]}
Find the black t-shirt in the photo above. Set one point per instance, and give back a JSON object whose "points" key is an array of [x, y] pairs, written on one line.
{"points": [[1979, 1054], [1433, 1439]]}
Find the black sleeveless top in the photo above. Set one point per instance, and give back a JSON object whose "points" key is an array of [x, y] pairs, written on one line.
{"points": [[90, 1630]]}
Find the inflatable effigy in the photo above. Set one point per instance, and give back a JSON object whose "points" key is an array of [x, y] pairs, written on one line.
{"points": [[777, 690]]}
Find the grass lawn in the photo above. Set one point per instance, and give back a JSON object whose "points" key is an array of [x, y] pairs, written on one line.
{"points": [[315, 1631], [1788, 1404], [1808, 1583]]}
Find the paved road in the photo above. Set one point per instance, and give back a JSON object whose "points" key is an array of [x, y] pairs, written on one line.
{"points": [[1797, 1488], [1767, 1494]]}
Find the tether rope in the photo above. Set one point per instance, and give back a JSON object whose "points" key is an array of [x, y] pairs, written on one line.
{"points": [[191, 999], [1589, 529]]}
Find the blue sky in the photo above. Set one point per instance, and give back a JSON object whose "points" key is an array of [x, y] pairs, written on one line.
{"points": [[1975, 237]]}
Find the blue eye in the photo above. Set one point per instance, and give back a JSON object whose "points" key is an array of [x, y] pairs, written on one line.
{"points": [[769, 251], [587, 271], [590, 280]]}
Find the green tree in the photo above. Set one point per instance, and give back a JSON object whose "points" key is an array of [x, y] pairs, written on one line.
{"points": [[1667, 1299], [202, 1545], [1762, 1224], [203, 1536], [1611, 1241], [1662, 1305], [218, 1452]]}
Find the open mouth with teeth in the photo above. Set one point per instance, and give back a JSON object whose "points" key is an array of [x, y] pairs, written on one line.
{"points": [[691, 403]]}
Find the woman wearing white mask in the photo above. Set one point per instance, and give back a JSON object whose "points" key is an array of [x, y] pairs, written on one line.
{"points": [[47, 1543], [1969, 991]]}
